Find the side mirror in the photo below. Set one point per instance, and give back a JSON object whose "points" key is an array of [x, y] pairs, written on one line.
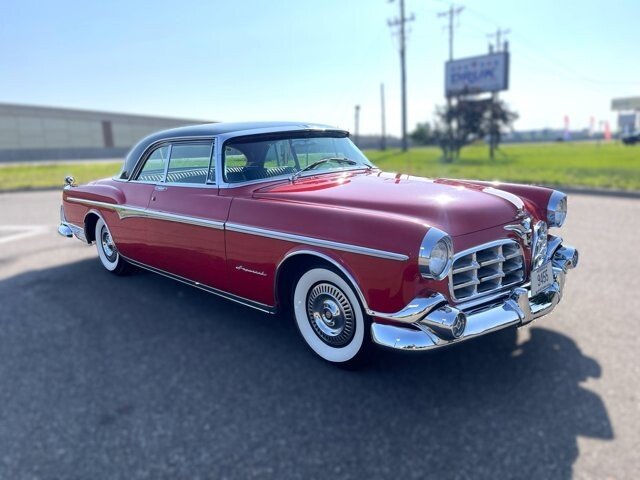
{"points": [[69, 181]]}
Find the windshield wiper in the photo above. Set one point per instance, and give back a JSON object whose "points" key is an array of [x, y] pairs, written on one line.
{"points": [[313, 165]]}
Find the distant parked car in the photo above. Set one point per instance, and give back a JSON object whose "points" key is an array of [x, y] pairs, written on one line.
{"points": [[631, 138], [293, 216]]}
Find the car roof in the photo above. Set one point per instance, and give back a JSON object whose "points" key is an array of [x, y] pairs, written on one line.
{"points": [[214, 129]]}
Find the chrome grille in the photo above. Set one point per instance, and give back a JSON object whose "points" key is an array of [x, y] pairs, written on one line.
{"points": [[486, 269]]}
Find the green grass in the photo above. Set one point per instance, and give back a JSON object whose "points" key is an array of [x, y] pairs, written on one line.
{"points": [[13, 177], [576, 164]]}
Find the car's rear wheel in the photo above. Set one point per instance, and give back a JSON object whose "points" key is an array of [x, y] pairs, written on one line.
{"points": [[330, 318], [107, 250]]}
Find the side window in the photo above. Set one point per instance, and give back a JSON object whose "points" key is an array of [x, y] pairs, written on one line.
{"points": [[153, 170], [234, 165], [189, 163]]}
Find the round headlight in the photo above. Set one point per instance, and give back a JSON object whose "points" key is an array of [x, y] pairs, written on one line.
{"points": [[439, 258], [557, 209], [436, 254]]}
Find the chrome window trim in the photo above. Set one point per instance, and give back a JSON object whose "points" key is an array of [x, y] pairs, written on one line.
{"points": [[207, 183], [168, 140], [479, 298], [316, 242], [143, 159], [221, 293]]}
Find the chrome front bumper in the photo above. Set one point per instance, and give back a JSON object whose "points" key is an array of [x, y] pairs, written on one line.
{"points": [[69, 230], [429, 323]]}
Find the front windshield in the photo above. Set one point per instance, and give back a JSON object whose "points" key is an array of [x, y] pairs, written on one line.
{"points": [[247, 160]]}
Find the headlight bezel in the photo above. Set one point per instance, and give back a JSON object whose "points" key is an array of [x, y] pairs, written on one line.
{"points": [[557, 209], [434, 238]]}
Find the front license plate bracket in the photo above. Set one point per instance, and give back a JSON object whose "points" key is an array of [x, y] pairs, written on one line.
{"points": [[541, 278]]}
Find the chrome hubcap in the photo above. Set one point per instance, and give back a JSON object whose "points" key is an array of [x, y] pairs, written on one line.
{"points": [[108, 247], [330, 314]]}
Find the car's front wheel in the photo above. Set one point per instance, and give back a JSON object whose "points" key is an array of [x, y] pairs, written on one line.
{"points": [[107, 250], [329, 317]]}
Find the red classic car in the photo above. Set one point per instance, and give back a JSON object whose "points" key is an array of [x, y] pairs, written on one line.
{"points": [[293, 216]]}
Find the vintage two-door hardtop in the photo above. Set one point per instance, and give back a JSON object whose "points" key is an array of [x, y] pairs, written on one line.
{"points": [[293, 216]]}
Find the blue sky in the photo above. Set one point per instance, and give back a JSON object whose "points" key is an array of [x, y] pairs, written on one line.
{"points": [[310, 60]]}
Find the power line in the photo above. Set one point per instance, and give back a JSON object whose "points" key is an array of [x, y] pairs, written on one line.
{"points": [[401, 24]]}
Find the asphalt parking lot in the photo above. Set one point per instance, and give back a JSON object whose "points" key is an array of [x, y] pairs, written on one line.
{"points": [[142, 377]]}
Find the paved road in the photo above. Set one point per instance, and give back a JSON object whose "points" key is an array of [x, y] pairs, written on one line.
{"points": [[142, 377]]}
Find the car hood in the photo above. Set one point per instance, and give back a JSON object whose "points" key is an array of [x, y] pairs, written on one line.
{"points": [[457, 207]]}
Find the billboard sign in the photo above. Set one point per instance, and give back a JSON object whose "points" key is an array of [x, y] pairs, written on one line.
{"points": [[626, 103], [484, 73]]}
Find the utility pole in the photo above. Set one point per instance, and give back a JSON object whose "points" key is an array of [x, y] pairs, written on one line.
{"points": [[451, 13], [401, 22], [383, 136], [357, 125], [498, 47], [498, 36]]}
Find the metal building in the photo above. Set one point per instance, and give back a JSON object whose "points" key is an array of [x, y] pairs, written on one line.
{"points": [[49, 133]]}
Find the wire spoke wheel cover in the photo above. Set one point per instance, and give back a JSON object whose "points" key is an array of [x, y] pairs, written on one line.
{"points": [[328, 315]]}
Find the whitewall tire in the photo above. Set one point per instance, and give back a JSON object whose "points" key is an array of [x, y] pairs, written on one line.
{"points": [[329, 316], [107, 250]]}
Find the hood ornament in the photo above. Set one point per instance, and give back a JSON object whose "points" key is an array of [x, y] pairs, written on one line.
{"points": [[522, 229]]}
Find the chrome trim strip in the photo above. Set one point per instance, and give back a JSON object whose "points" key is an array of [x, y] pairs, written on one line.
{"points": [[317, 242], [228, 296], [125, 211]]}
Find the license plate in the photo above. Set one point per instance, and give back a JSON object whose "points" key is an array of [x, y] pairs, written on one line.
{"points": [[541, 278]]}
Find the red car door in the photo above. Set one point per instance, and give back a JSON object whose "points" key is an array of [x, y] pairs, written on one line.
{"points": [[186, 215], [129, 226]]}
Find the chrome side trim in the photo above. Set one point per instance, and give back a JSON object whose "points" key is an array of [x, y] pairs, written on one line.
{"points": [[317, 242], [125, 211], [228, 296]]}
